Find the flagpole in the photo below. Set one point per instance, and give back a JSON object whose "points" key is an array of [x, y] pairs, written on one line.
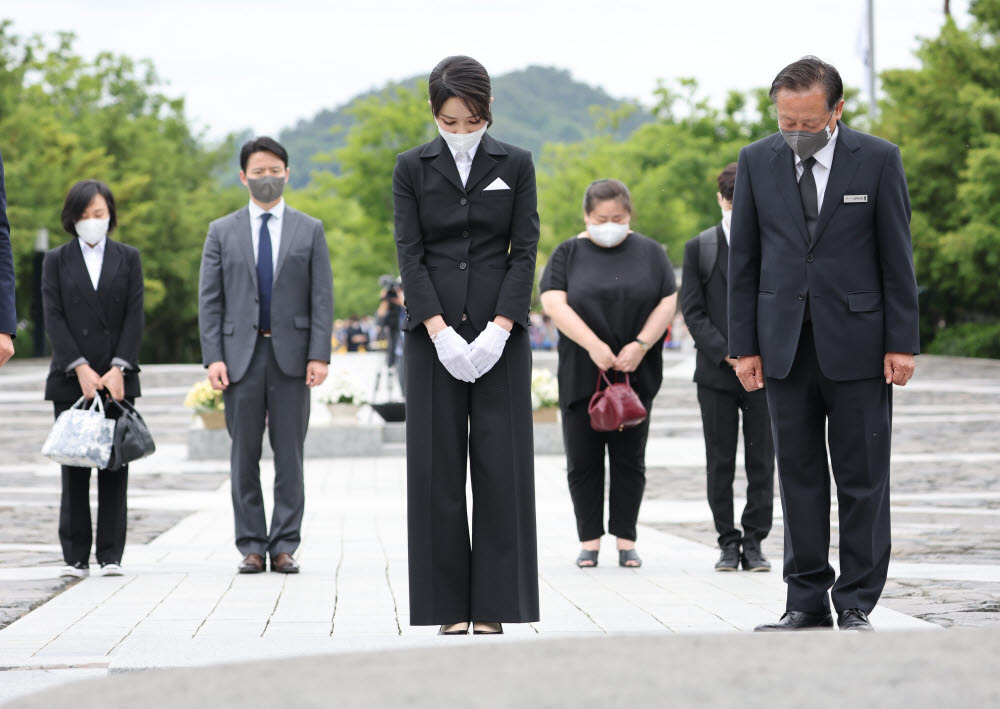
{"points": [[872, 102]]}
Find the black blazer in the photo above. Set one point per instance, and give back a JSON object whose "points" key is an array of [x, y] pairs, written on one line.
{"points": [[857, 272], [98, 325], [704, 307], [465, 250]]}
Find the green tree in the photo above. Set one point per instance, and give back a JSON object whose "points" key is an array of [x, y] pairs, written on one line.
{"points": [[945, 116], [64, 119]]}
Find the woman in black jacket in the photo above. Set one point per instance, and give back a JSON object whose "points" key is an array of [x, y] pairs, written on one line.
{"points": [[466, 236], [92, 291], [611, 293]]}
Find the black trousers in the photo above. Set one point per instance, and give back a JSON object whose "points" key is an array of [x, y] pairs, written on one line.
{"points": [[494, 576], [720, 418], [75, 527], [855, 418], [585, 471]]}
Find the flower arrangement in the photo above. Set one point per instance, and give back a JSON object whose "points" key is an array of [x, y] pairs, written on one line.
{"points": [[203, 398], [340, 388], [544, 389]]}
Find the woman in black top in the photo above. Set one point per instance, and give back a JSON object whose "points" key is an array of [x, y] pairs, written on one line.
{"points": [[466, 230], [92, 292], [611, 293]]}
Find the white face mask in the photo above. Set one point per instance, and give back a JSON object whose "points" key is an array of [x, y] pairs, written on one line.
{"points": [[727, 216], [461, 142], [92, 231], [607, 234]]}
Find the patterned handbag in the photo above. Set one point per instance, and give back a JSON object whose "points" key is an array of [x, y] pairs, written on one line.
{"points": [[81, 436]]}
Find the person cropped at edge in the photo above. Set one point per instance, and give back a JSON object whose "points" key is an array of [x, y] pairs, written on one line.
{"points": [[265, 312], [466, 230], [823, 315], [611, 292], [92, 293], [722, 398], [8, 313]]}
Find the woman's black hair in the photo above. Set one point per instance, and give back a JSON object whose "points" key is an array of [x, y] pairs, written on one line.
{"points": [[463, 78], [79, 198], [603, 190]]}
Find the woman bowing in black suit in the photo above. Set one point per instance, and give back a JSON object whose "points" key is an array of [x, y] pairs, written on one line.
{"points": [[466, 229], [92, 290]]}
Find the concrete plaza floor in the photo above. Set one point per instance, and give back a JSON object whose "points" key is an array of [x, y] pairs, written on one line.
{"points": [[181, 604]]}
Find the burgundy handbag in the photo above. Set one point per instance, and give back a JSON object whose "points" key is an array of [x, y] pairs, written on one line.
{"points": [[615, 408]]}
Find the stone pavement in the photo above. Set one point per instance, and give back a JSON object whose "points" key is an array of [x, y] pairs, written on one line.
{"points": [[182, 605]]}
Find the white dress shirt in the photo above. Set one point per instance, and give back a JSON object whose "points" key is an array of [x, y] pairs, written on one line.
{"points": [[93, 257], [821, 170], [463, 161], [273, 228], [725, 230]]}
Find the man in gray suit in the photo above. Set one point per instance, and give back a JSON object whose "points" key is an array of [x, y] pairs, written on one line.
{"points": [[265, 312]]}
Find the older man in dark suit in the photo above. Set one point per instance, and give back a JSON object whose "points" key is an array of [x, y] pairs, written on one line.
{"points": [[823, 309], [8, 315]]}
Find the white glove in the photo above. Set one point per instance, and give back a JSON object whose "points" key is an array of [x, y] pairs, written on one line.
{"points": [[486, 349], [454, 352]]}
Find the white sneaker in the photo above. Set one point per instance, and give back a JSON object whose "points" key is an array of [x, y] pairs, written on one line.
{"points": [[77, 571], [111, 570]]}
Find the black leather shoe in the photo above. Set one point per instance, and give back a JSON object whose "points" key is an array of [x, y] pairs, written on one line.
{"points": [[797, 620], [729, 560], [754, 559], [854, 619]]}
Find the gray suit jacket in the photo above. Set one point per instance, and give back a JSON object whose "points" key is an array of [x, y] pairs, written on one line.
{"points": [[301, 298]]}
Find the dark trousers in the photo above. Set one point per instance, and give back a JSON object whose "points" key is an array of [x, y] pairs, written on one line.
{"points": [[855, 417], [75, 526], [494, 576], [266, 394], [585, 471], [720, 418]]}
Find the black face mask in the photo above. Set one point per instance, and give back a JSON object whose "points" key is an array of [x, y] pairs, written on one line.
{"points": [[266, 189]]}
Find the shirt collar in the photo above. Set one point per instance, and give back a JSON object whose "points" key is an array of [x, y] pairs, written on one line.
{"points": [[88, 249], [725, 229], [276, 212], [825, 156]]}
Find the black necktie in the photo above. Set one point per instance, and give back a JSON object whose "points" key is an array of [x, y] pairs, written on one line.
{"points": [[265, 273], [810, 200]]}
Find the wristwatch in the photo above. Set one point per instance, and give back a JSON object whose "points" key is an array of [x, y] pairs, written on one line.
{"points": [[642, 344]]}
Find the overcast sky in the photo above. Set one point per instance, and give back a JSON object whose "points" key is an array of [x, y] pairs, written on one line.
{"points": [[265, 64]]}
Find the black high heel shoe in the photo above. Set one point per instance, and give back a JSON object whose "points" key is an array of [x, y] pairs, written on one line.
{"points": [[442, 631], [489, 632]]}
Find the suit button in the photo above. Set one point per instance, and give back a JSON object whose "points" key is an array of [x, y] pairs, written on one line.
{"points": [[810, 258], [463, 265], [802, 296], [466, 234], [107, 332], [463, 201]]}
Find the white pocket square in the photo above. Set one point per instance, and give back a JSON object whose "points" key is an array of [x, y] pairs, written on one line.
{"points": [[497, 184]]}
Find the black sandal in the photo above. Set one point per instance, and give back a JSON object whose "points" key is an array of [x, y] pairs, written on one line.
{"points": [[488, 632], [626, 555], [442, 631], [587, 555]]}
